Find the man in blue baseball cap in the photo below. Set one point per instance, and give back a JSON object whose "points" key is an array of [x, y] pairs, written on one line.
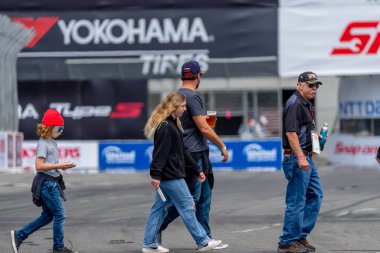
{"points": [[196, 135], [190, 71]]}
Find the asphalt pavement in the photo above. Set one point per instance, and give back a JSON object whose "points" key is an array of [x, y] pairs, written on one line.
{"points": [[106, 213]]}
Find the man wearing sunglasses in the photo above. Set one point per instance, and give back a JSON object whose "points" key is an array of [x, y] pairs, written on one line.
{"points": [[304, 191]]}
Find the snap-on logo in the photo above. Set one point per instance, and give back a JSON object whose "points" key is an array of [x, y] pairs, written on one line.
{"points": [[40, 26], [360, 37]]}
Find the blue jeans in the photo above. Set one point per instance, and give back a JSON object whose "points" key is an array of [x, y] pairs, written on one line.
{"points": [[303, 200], [52, 209], [177, 193], [202, 197]]}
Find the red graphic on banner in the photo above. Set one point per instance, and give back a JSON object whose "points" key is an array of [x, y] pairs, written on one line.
{"points": [[40, 26], [359, 37], [127, 110]]}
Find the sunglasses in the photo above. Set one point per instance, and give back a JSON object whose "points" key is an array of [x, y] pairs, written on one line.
{"points": [[58, 129], [312, 85]]}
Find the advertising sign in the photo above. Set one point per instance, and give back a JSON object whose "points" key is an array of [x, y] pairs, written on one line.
{"points": [[243, 155], [318, 39], [348, 150], [359, 97], [11, 148], [97, 109], [3, 151], [326, 3], [83, 153], [155, 42]]}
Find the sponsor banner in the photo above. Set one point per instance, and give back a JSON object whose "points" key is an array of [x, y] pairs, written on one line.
{"points": [[326, 3], [137, 155], [97, 109], [125, 155], [156, 43], [11, 151], [354, 151], [83, 153], [71, 5], [361, 100], [320, 41], [3, 151]]}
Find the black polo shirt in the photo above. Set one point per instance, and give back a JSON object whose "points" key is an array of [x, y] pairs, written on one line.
{"points": [[298, 117]]}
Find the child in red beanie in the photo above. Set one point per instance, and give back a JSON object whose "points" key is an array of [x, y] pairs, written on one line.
{"points": [[48, 184]]}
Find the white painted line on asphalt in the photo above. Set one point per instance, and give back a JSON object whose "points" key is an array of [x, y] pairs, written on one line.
{"points": [[365, 210], [344, 213], [257, 229], [251, 230]]}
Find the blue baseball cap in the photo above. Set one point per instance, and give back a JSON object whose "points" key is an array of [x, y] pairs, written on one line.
{"points": [[190, 68]]}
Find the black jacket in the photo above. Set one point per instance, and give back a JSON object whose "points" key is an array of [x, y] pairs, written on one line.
{"points": [[38, 180], [169, 154]]}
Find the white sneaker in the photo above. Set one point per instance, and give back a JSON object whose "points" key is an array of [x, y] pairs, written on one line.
{"points": [[222, 246], [210, 245], [158, 249]]}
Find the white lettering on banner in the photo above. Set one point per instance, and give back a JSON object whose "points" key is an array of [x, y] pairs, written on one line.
{"points": [[341, 148], [256, 153], [359, 108], [79, 112], [28, 112], [160, 64], [216, 155], [118, 31], [114, 155]]}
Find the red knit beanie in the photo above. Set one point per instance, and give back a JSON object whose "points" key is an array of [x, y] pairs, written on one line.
{"points": [[52, 118]]}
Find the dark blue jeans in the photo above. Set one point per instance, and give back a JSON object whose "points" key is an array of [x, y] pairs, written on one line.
{"points": [[52, 209], [202, 195], [303, 200]]}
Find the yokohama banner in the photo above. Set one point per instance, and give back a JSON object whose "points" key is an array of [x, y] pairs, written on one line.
{"points": [[329, 41], [97, 109], [152, 43]]}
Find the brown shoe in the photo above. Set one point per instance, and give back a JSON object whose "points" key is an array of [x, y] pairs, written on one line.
{"points": [[305, 243], [293, 248]]}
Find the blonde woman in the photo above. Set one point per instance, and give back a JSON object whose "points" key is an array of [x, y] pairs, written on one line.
{"points": [[167, 171]]}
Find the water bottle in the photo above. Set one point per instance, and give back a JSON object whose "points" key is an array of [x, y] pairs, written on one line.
{"points": [[324, 131]]}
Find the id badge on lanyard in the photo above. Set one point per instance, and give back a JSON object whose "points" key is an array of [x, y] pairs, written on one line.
{"points": [[316, 148]]}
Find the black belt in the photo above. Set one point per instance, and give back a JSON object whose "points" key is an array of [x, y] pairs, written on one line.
{"points": [[289, 152]]}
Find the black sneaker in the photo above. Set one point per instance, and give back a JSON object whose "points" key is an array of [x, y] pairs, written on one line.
{"points": [[16, 242], [65, 250]]}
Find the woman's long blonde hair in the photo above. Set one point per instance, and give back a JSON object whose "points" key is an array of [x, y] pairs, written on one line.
{"points": [[166, 107]]}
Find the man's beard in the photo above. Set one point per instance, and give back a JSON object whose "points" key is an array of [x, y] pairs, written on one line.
{"points": [[196, 87]]}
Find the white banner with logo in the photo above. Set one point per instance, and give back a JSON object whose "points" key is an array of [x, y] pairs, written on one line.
{"points": [[359, 97], [329, 41], [353, 151], [83, 153], [328, 3]]}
